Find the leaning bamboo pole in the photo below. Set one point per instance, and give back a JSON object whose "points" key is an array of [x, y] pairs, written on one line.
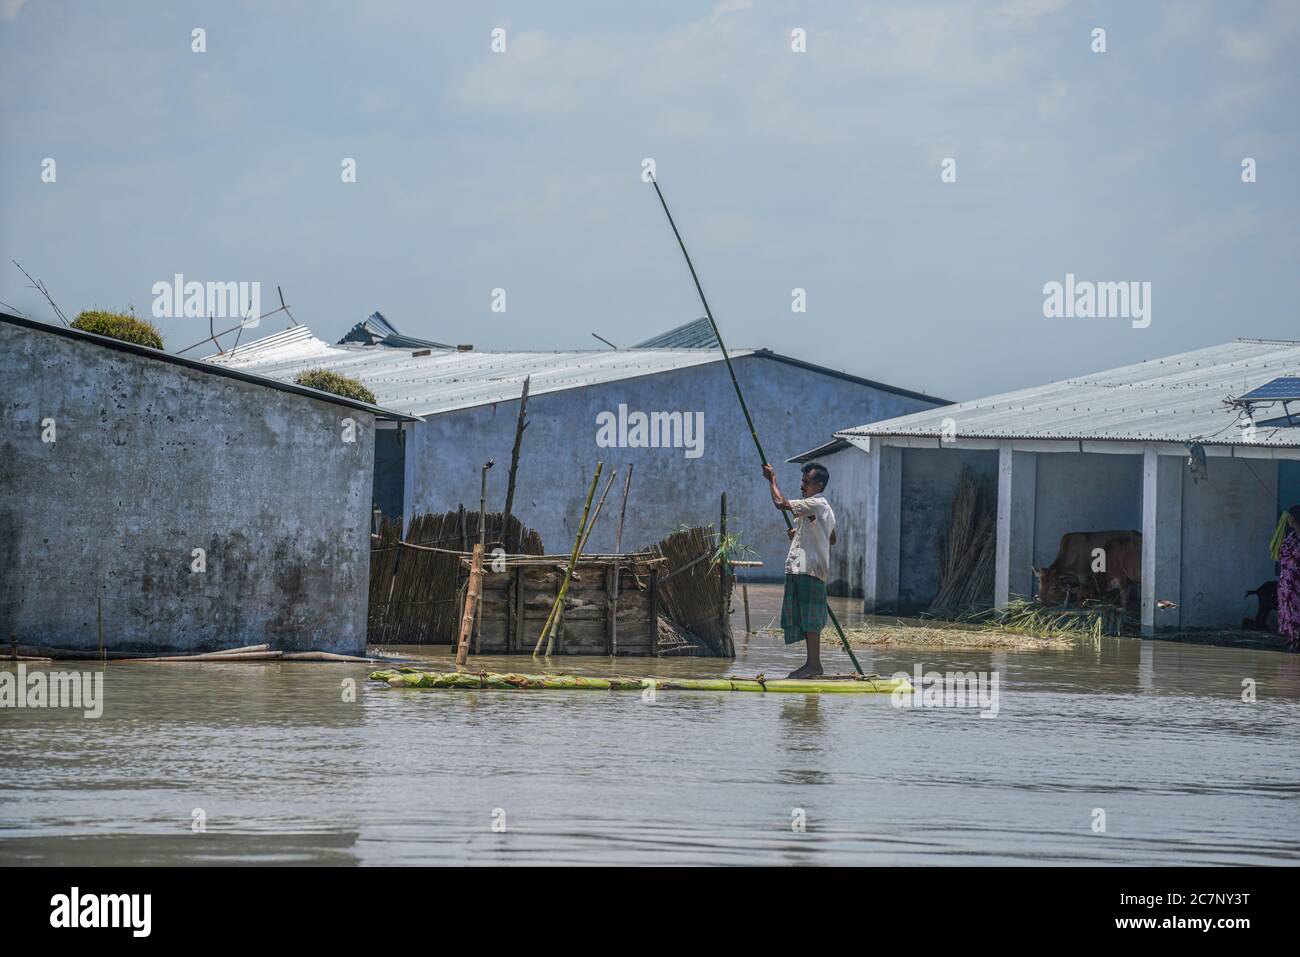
{"points": [[473, 592], [491, 681], [586, 536], [548, 633]]}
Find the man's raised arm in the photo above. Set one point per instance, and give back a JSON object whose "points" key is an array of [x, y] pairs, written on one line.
{"points": [[779, 500]]}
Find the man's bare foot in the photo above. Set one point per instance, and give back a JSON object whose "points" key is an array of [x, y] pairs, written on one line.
{"points": [[806, 671]]}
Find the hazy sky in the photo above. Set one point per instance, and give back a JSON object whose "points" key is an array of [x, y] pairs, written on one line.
{"points": [[522, 170]]}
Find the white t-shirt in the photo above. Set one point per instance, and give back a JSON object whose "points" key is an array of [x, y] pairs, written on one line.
{"points": [[810, 549]]}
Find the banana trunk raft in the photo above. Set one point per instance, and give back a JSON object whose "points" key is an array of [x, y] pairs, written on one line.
{"points": [[491, 681]]}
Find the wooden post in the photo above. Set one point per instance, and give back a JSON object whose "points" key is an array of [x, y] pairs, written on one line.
{"points": [[744, 593], [482, 541], [654, 611], [472, 595], [520, 425], [517, 617], [724, 566], [611, 604], [99, 614], [618, 550]]}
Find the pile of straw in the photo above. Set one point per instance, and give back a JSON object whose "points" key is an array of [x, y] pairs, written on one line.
{"points": [[691, 592]]}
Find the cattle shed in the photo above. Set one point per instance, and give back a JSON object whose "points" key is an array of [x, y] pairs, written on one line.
{"points": [[583, 407], [163, 504], [1194, 451]]}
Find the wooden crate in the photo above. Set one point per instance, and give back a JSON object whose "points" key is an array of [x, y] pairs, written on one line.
{"points": [[518, 598]]}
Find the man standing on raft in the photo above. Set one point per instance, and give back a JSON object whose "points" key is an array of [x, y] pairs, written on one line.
{"points": [[808, 564]]}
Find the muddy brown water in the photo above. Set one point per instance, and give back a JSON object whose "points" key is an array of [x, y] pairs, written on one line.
{"points": [[284, 770]]}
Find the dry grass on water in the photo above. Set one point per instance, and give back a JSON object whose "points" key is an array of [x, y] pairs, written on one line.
{"points": [[883, 632], [1023, 625]]}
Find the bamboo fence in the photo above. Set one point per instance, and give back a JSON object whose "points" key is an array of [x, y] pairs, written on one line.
{"points": [[415, 591]]}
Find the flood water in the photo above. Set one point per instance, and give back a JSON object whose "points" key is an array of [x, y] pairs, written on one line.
{"points": [[284, 770]]}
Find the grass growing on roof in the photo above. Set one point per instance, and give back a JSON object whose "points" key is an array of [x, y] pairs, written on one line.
{"points": [[336, 384], [119, 325]]}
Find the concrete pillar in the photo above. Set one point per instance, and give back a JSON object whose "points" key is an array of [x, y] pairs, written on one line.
{"points": [[1162, 544], [1017, 491], [884, 507]]}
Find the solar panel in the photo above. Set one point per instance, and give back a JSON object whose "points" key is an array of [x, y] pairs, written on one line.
{"points": [[1284, 389]]}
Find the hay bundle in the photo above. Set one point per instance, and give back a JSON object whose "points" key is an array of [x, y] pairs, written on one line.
{"points": [[691, 593], [967, 549]]}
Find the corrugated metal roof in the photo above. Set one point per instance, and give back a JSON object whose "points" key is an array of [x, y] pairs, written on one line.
{"points": [[696, 334], [446, 380], [1179, 398]]}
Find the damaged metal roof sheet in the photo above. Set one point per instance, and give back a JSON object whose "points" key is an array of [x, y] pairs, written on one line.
{"points": [[696, 334], [1179, 398], [432, 381]]}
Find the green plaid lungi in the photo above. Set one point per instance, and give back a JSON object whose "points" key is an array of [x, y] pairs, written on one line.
{"points": [[804, 607]]}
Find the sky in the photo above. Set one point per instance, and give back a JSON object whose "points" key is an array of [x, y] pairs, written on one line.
{"points": [[820, 169]]}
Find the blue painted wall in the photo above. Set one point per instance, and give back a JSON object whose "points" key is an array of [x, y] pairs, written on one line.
{"points": [[794, 409]]}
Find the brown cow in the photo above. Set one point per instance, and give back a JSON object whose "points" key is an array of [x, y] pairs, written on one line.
{"points": [[1091, 565]]}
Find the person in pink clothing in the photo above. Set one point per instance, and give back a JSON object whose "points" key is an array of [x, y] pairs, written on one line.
{"points": [[1288, 582]]}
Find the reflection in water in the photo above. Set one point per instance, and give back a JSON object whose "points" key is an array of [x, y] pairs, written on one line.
{"points": [[287, 770], [1147, 666]]}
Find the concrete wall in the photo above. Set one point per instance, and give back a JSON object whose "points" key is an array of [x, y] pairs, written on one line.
{"points": [[929, 482], [152, 460], [794, 409], [1227, 522], [1084, 492]]}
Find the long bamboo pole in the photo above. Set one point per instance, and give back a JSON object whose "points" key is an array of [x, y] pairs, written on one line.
{"points": [[547, 629], [586, 536], [740, 395]]}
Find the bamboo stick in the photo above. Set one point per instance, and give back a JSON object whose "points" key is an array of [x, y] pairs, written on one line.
{"points": [[472, 595], [568, 572], [491, 681], [595, 515]]}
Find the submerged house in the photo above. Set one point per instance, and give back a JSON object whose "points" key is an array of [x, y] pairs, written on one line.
{"points": [[1199, 452], [665, 407], [170, 504]]}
